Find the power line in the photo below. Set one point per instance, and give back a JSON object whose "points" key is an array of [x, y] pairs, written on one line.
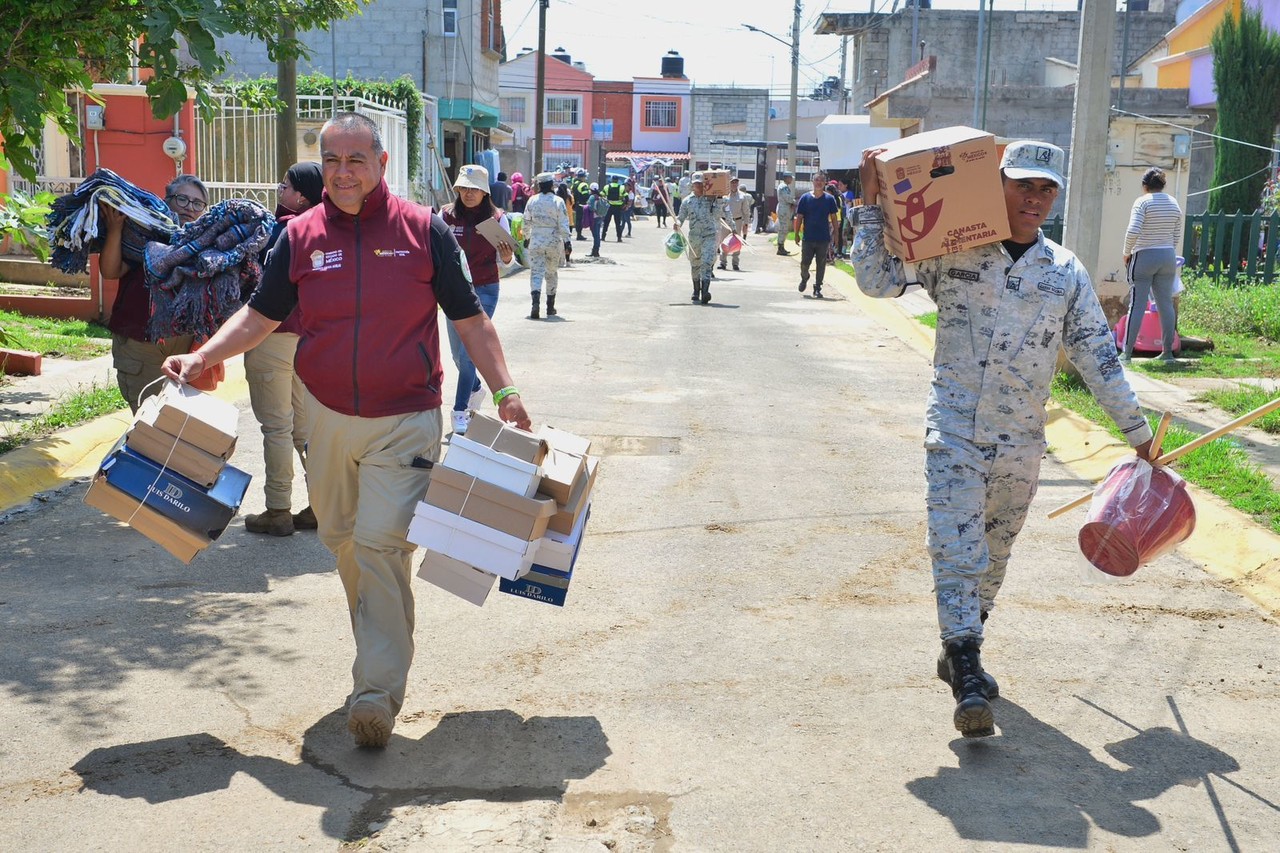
{"points": [[1198, 132]]}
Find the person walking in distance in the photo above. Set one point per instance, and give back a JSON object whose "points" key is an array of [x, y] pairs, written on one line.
{"points": [[275, 392], [369, 272], [1004, 310], [581, 189], [1151, 260], [739, 204], [786, 210], [599, 209], [546, 230], [471, 207], [816, 219], [705, 215], [616, 194]]}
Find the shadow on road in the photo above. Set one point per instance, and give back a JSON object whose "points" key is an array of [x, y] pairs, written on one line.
{"points": [[474, 755], [1036, 786]]}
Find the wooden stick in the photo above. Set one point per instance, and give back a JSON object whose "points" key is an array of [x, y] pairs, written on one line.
{"points": [[1260, 412], [1156, 440], [1161, 429]]}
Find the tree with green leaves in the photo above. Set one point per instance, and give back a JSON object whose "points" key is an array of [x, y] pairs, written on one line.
{"points": [[1246, 73], [49, 47]]}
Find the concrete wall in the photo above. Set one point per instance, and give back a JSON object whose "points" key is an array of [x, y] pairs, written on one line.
{"points": [[1020, 41], [721, 112], [389, 39]]}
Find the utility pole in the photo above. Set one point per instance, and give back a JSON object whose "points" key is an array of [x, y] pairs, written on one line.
{"points": [[541, 89], [1090, 122], [795, 90], [844, 54], [977, 75], [287, 92]]}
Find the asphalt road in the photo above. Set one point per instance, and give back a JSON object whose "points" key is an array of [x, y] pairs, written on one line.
{"points": [[745, 662]]}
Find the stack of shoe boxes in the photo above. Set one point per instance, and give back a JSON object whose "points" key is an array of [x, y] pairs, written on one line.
{"points": [[168, 476], [492, 508]]}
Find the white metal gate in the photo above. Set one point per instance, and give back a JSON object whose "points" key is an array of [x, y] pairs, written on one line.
{"points": [[236, 150]]}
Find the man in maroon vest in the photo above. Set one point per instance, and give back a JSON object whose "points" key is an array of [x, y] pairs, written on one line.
{"points": [[367, 271]]}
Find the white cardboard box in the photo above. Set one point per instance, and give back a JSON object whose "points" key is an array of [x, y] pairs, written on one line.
{"points": [[457, 577], [556, 550], [197, 418], [469, 541], [491, 466]]}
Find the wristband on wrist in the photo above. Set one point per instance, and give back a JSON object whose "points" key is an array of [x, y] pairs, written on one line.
{"points": [[503, 393]]}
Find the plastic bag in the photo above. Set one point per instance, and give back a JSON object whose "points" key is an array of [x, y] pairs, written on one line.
{"points": [[675, 245], [1138, 513], [731, 244]]}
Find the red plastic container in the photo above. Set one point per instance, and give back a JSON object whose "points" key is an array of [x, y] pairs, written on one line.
{"points": [[1139, 513]]}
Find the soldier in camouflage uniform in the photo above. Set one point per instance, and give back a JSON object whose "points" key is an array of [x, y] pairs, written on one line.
{"points": [[1003, 311], [704, 213], [546, 231]]}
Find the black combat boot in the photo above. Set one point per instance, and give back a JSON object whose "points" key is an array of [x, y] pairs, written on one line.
{"points": [[973, 717], [537, 301], [551, 305], [697, 288], [944, 670], [706, 291]]}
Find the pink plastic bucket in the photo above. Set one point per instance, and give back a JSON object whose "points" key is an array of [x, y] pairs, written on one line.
{"points": [[1138, 514]]}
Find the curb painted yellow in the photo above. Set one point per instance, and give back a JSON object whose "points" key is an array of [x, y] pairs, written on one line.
{"points": [[1230, 545], [54, 461]]}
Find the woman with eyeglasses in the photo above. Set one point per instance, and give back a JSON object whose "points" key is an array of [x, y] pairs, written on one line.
{"points": [[275, 392], [136, 358]]}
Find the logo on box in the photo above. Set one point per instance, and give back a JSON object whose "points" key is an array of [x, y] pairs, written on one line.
{"points": [[917, 220]]}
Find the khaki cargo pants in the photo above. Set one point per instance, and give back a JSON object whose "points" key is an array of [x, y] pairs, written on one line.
{"points": [[137, 365], [364, 488], [275, 393]]}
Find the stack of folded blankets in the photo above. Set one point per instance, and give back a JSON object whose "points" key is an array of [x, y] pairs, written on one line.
{"points": [[168, 477], [506, 506], [75, 231]]}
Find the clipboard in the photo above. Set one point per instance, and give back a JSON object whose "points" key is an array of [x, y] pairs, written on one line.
{"points": [[492, 231]]}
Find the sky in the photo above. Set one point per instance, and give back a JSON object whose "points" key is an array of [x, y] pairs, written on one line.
{"points": [[619, 40]]}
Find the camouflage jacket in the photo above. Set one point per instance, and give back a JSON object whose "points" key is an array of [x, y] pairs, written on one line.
{"points": [[1000, 324]]}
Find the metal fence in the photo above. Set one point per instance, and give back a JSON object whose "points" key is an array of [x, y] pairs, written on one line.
{"points": [[1232, 244], [237, 147]]}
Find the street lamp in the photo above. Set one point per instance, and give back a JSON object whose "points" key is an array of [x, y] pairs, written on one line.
{"points": [[794, 44]]}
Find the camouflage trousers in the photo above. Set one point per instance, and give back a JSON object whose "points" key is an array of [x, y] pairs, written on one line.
{"points": [[977, 497], [544, 265]]}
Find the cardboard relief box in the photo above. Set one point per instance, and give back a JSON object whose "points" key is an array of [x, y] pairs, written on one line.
{"points": [[180, 541], [490, 505], [941, 193], [499, 454], [471, 542], [175, 453], [715, 182], [455, 576], [197, 418]]}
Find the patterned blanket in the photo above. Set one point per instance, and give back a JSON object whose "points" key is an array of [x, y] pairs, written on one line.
{"points": [[197, 277]]}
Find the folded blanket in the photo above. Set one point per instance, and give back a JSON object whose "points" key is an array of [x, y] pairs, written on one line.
{"points": [[197, 278], [75, 231]]}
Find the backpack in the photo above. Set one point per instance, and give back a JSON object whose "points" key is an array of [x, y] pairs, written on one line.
{"points": [[599, 206]]}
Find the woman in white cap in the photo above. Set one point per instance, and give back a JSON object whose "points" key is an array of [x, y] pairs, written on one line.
{"points": [[471, 207]]}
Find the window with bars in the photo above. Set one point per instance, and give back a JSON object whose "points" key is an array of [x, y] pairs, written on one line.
{"points": [[662, 115], [513, 110], [562, 112]]}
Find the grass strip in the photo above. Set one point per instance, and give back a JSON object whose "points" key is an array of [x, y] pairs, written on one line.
{"points": [[1243, 399], [74, 409], [1221, 467], [75, 339]]}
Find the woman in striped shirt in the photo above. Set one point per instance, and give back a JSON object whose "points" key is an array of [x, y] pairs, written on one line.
{"points": [[1150, 257]]}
